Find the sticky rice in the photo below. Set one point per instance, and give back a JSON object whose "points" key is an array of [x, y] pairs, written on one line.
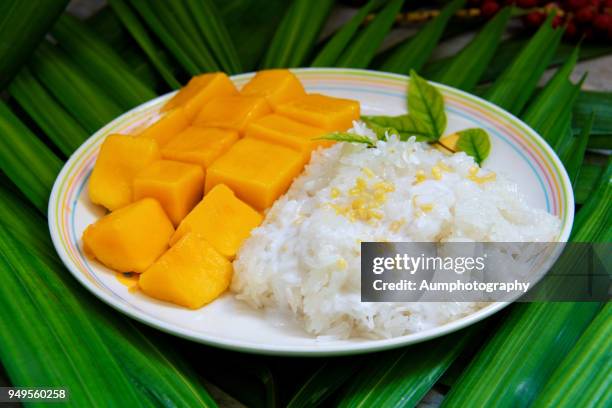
{"points": [[303, 262]]}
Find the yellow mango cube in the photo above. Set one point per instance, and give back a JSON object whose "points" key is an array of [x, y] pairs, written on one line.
{"points": [[287, 132], [222, 219], [176, 186], [191, 274], [326, 112], [199, 91], [199, 146], [232, 112], [257, 171], [168, 126], [120, 158], [276, 85], [131, 238]]}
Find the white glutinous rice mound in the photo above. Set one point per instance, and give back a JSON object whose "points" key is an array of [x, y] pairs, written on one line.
{"points": [[303, 262]]}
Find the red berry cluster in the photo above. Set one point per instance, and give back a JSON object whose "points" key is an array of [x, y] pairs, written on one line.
{"points": [[591, 19]]}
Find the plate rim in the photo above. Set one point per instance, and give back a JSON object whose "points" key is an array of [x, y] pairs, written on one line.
{"points": [[366, 346]]}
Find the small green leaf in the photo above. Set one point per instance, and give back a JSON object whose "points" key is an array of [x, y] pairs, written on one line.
{"points": [[382, 132], [426, 105], [404, 125], [347, 137], [474, 142]]}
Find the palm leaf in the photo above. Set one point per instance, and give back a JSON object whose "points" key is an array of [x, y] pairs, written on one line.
{"points": [[330, 53], [360, 52], [58, 125], [508, 50], [547, 112], [465, 69], [402, 377], [101, 63], [212, 28], [155, 373], [182, 28], [23, 24], [572, 151], [330, 376], [296, 34], [587, 179], [26, 160], [252, 24], [71, 88], [598, 103], [415, 52], [166, 36], [513, 88], [141, 36]]}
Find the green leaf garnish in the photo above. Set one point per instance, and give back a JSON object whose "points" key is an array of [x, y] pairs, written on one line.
{"points": [[426, 121], [403, 125], [347, 137], [474, 142], [426, 105]]}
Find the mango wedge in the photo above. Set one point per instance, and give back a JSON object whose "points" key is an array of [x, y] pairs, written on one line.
{"points": [[191, 274], [120, 159], [258, 172], [277, 86], [199, 91], [232, 112], [326, 112], [222, 219], [199, 146], [287, 132], [168, 126], [131, 238], [178, 187]]}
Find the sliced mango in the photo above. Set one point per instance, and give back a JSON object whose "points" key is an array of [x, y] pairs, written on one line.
{"points": [[120, 158], [131, 238], [276, 85], [191, 274], [257, 171], [287, 132], [222, 219], [177, 186], [232, 112], [326, 112], [199, 146], [168, 126], [201, 89]]}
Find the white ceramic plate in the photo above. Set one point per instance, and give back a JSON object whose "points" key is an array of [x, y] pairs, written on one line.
{"points": [[516, 150]]}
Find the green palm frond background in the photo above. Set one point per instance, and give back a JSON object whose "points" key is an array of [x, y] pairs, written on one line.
{"points": [[65, 77]]}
